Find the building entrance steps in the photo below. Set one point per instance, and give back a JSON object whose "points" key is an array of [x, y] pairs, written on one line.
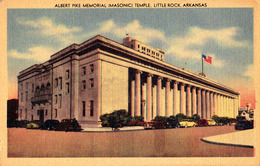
{"points": [[241, 138]]}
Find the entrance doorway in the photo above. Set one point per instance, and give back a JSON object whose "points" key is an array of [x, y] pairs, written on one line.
{"points": [[41, 115]]}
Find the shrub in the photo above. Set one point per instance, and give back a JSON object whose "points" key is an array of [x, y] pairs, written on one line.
{"points": [[180, 116], [195, 117]]}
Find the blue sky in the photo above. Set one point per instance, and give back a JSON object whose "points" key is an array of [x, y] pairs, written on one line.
{"points": [[226, 34]]}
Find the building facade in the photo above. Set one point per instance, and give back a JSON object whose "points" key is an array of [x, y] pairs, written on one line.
{"points": [[98, 76]]}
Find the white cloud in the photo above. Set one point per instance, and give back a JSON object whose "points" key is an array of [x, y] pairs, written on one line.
{"points": [[250, 71], [38, 53], [46, 27]]}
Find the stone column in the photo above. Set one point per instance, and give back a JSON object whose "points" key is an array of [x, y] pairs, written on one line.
{"points": [[183, 104], [208, 105], [137, 92], [199, 102], [149, 96], [211, 104], [159, 87], [144, 101], [194, 101], [175, 88], [167, 113], [203, 103], [215, 104], [188, 101], [132, 97], [154, 102]]}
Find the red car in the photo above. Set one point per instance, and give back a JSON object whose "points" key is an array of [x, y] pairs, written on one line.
{"points": [[68, 125], [203, 122]]}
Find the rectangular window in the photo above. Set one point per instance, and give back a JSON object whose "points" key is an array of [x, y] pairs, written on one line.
{"points": [[92, 68], [91, 107], [67, 74], [68, 87], [60, 99], [21, 97], [31, 117], [38, 112], [148, 50], [60, 83], [26, 114], [21, 86], [46, 112], [26, 96], [138, 46], [91, 82], [26, 85], [84, 70], [56, 82], [56, 99], [83, 108], [32, 87], [56, 113], [83, 84], [21, 111]]}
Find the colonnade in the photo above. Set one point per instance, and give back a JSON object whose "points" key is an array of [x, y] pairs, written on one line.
{"points": [[154, 95]]}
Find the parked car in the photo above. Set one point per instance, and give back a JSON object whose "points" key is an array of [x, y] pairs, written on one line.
{"points": [[68, 125], [244, 124], [50, 124], [35, 124], [203, 122], [212, 122], [156, 124], [233, 122], [172, 123], [187, 123]]}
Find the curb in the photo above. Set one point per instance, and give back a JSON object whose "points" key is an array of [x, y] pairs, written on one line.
{"points": [[226, 144]]}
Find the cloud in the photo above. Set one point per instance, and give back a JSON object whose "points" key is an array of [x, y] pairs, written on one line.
{"points": [[250, 71], [38, 53], [46, 27]]}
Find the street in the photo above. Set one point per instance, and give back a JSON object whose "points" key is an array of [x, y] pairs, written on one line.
{"points": [[181, 142]]}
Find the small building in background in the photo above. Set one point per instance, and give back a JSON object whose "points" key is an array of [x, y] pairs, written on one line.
{"points": [[12, 109]]}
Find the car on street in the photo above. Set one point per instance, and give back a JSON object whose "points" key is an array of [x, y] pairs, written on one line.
{"points": [[156, 124], [35, 124], [187, 123], [203, 122], [49, 124], [212, 122], [172, 123], [244, 125], [233, 122], [68, 125]]}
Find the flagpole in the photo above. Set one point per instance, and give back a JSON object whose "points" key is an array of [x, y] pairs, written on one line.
{"points": [[202, 63]]}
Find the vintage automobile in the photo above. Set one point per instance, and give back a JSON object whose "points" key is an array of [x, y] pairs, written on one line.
{"points": [[68, 125], [172, 123], [49, 124], [203, 122], [244, 125], [35, 124], [233, 122], [212, 122], [187, 123], [156, 124]]}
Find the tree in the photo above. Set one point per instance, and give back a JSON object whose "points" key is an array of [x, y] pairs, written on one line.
{"points": [[181, 116], [195, 117]]}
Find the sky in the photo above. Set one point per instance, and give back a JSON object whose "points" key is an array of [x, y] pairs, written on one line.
{"points": [[225, 34]]}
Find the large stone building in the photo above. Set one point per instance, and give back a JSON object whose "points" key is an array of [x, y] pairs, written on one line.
{"points": [[98, 76]]}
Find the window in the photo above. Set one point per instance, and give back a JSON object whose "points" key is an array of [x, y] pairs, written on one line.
{"points": [[60, 83], [84, 70], [91, 82], [46, 112], [138, 46], [31, 117], [83, 84], [21, 86], [92, 68], [56, 99], [67, 74], [38, 112], [56, 82], [26, 85], [32, 87], [83, 108], [148, 50], [26, 96], [26, 114], [21, 111], [91, 107], [21, 97], [68, 87], [60, 99], [56, 113]]}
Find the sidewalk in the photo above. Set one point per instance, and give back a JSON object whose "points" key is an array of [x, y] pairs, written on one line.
{"points": [[109, 129], [245, 138]]}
